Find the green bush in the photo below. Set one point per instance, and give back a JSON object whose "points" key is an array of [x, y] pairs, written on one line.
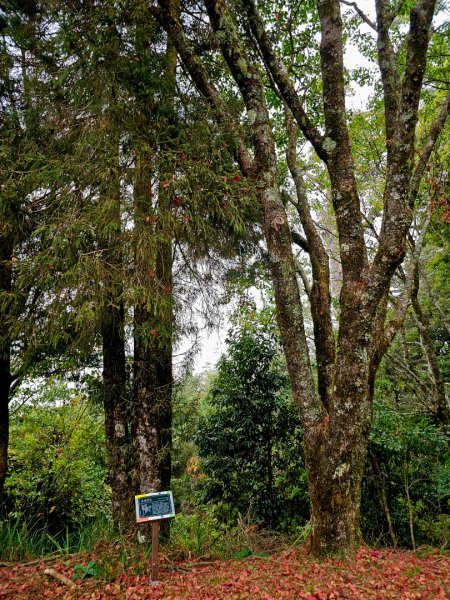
{"points": [[250, 443], [412, 454], [57, 463]]}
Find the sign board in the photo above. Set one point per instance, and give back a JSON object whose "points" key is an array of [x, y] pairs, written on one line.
{"points": [[152, 507]]}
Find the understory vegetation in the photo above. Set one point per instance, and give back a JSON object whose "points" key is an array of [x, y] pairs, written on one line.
{"points": [[239, 482]]}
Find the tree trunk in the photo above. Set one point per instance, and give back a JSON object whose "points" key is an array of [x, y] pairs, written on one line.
{"points": [[379, 482], [336, 422], [152, 412], [5, 362], [335, 492], [115, 389], [115, 406], [154, 318]]}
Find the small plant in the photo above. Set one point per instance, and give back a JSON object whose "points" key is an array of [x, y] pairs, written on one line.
{"points": [[244, 553], [92, 569]]}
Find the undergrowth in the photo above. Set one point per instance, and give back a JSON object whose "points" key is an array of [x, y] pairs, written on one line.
{"points": [[21, 542]]}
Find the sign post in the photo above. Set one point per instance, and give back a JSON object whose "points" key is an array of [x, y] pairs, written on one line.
{"points": [[154, 507], [155, 551]]}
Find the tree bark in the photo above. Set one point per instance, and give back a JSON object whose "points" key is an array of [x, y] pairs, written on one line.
{"points": [[5, 360], [115, 381], [115, 402]]}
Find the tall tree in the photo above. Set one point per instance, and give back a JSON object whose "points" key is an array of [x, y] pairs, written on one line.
{"points": [[153, 312], [337, 419]]}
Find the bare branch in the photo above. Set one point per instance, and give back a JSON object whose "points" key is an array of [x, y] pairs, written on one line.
{"points": [[306, 284], [299, 240], [442, 405], [360, 13], [442, 314]]}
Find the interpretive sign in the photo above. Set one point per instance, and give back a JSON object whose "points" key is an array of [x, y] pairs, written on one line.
{"points": [[153, 507]]}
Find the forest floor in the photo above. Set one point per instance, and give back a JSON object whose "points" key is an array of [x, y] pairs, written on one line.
{"points": [[372, 574]]}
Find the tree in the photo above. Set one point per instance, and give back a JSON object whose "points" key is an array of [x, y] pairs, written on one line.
{"points": [[250, 442], [120, 208], [337, 419]]}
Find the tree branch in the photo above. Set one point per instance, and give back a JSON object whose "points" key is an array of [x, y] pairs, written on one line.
{"points": [[428, 146], [167, 16], [276, 227], [388, 70], [320, 290], [340, 165], [397, 210], [442, 405], [299, 240], [280, 76], [386, 333], [360, 13]]}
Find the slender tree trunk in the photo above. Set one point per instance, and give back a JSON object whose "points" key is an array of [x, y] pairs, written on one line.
{"points": [[379, 482], [115, 407], [164, 375], [442, 409], [115, 388], [5, 362], [407, 486]]}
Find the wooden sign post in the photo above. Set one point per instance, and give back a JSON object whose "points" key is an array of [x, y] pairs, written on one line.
{"points": [[155, 550], [154, 508]]}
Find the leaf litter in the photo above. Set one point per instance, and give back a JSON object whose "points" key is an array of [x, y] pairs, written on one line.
{"points": [[372, 574]]}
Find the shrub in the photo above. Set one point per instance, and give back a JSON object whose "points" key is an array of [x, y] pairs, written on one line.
{"points": [[250, 443]]}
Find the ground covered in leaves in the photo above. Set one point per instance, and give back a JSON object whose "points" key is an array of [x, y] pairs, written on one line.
{"points": [[373, 574]]}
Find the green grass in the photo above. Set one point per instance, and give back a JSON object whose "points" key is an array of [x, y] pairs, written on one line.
{"points": [[20, 542]]}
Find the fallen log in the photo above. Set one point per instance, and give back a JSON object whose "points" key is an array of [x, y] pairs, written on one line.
{"points": [[60, 577]]}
